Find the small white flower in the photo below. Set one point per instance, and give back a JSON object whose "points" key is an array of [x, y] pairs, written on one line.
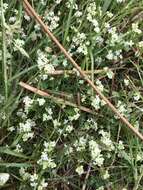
{"points": [[56, 123], [136, 29], [41, 101], [58, 1], [110, 55], [27, 17], [100, 188], [78, 14], [120, 145], [69, 128], [96, 102], [141, 44], [42, 185], [109, 14], [12, 19], [120, 1], [80, 170], [110, 74], [126, 82], [106, 175], [137, 96], [28, 102]]}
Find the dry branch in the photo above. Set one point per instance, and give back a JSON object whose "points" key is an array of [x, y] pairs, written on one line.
{"points": [[55, 99]]}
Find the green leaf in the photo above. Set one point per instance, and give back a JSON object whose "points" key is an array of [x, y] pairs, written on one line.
{"points": [[5, 150], [106, 5], [16, 165], [4, 177]]}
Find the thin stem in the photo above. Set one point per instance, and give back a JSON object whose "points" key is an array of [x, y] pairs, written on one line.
{"points": [[92, 69], [4, 64]]}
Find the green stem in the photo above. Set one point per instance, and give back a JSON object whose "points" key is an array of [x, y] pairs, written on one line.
{"points": [[68, 23], [92, 68], [4, 64]]}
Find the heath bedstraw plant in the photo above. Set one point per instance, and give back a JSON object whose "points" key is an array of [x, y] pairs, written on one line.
{"points": [[46, 145]]}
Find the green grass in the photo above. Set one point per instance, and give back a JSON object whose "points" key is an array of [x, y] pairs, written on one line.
{"points": [[72, 130]]}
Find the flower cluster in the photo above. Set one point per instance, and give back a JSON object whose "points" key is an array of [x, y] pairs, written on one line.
{"points": [[44, 65], [80, 43], [96, 155], [91, 16], [26, 129], [52, 20], [45, 160]]}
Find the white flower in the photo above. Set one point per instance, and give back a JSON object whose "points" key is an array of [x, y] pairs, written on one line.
{"points": [[56, 123], [46, 161], [25, 175], [105, 139], [120, 145], [141, 44], [95, 150], [96, 102], [49, 145], [41, 101], [80, 170], [137, 96], [26, 129], [136, 29], [46, 117], [99, 85], [121, 107], [100, 188], [58, 1], [99, 160], [18, 148], [19, 43], [128, 44], [27, 17], [75, 116], [109, 14], [48, 68], [52, 20], [4, 177], [37, 27], [12, 19], [126, 82], [78, 14], [69, 128], [42, 185], [80, 144], [110, 74], [106, 175], [34, 180], [120, 1], [27, 136], [110, 55], [28, 102], [11, 128]]}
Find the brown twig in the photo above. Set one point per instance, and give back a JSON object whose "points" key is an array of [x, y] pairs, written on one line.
{"points": [[72, 72], [84, 76], [55, 99], [88, 72]]}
